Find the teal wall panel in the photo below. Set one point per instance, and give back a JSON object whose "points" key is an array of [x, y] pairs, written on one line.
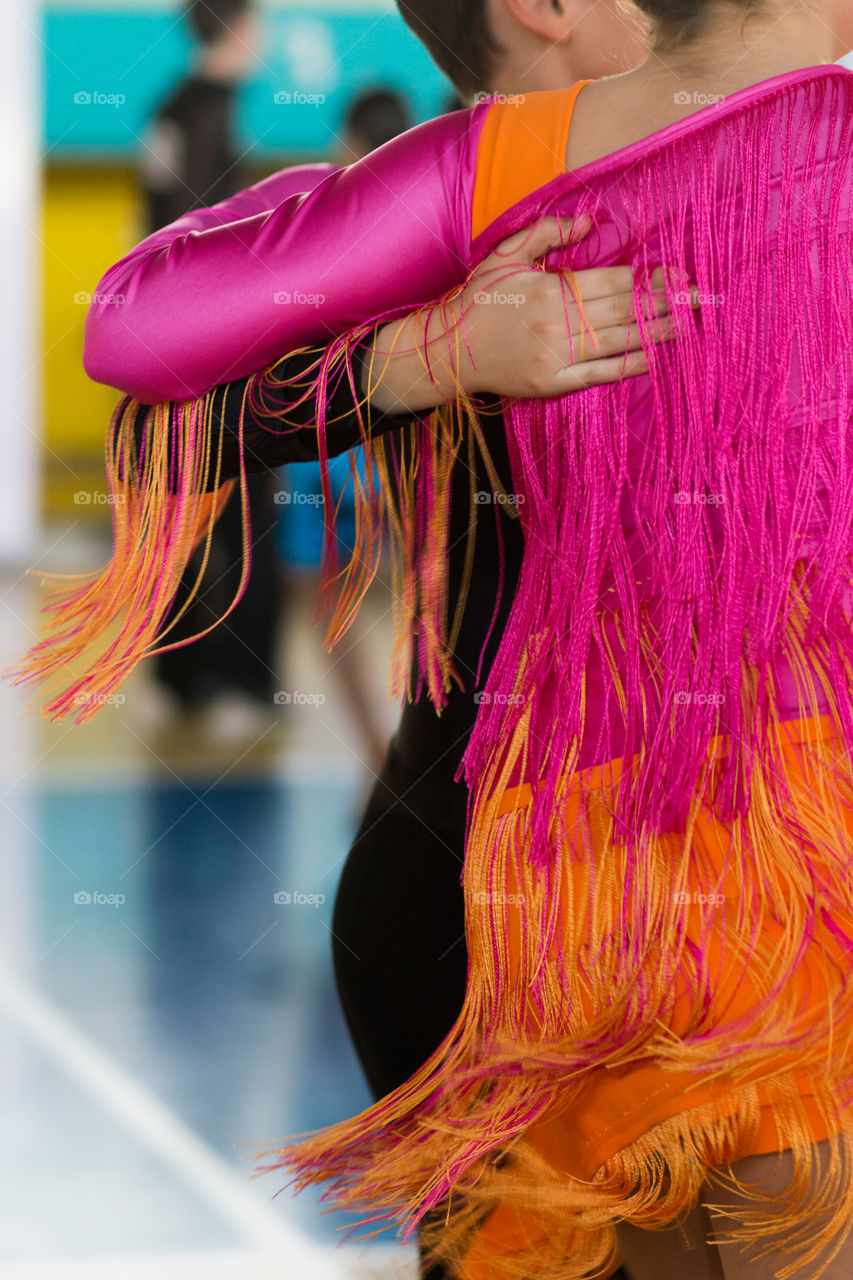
{"points": [[107, 69]]}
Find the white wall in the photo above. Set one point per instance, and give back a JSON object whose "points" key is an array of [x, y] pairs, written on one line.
{"points": [[20, 61]]}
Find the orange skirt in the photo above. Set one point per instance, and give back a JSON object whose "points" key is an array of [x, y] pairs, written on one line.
{"points": [[619, 1105]]}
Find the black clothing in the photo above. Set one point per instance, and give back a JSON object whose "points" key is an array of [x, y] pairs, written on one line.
{"points": [[240, 653], [189, 161]]}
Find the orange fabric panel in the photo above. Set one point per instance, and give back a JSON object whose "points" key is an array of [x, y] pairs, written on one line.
{"points": [[522, 147], [609, 1114], [618, 1106]]}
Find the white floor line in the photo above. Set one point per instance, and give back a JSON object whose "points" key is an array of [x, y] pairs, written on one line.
{"points": [[156, 1127], [375, 1264]]}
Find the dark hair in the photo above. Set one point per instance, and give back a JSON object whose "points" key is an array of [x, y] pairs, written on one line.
{"points": [[377, 116], [674, 21], [457, 37], [209, 20]]}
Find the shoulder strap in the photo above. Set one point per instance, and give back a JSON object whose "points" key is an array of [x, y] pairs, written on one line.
{"points": [[522, 147]]}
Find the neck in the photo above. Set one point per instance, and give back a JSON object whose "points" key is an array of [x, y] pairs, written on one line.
{"points": [[737, 49]]}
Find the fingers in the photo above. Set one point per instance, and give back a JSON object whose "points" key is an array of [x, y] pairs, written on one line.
{"points": [[610, 309], [617, 283], [541, 237], [613, 322], [615, 340], [595, 373], [618, 353]]}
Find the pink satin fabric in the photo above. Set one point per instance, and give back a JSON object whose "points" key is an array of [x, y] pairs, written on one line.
{"points": [[208, 300]]}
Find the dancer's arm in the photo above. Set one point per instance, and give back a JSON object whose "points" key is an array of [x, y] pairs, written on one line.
{"points": [[376, 239], [514, 354], [521, 352], [525, 352]]}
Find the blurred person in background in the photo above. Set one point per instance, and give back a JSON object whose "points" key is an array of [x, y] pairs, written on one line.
{"points": [[373, 118], [190, 160]]}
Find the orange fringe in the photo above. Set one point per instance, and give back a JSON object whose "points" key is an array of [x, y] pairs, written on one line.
{"points": [[102, 624], [155, 532]]}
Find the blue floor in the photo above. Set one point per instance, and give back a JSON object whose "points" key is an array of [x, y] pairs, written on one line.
{"points": [[154, 928], [167, 998]]}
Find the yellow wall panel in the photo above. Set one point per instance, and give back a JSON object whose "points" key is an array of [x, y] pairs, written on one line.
{"points": [[91, 217]]}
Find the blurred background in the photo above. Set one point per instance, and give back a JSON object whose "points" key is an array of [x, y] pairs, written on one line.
{"points": [[169, 868]]}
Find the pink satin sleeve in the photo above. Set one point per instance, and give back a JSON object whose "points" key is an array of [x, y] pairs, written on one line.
{"points": [[222, 293]]}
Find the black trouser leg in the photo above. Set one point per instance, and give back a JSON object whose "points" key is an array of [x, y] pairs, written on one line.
{"points": [[399, 945], [241, 651], [399, 942]]}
